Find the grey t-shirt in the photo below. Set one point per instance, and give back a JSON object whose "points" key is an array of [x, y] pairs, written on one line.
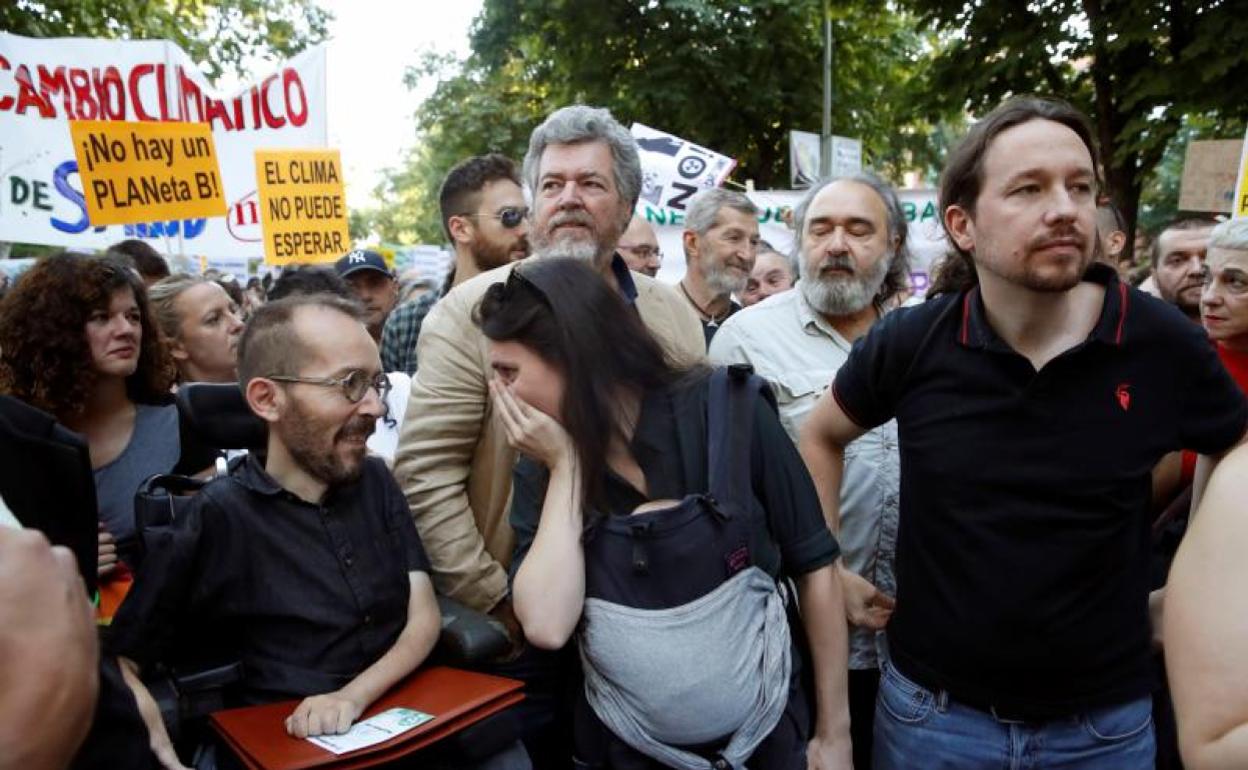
{"points": [[154, 448]]}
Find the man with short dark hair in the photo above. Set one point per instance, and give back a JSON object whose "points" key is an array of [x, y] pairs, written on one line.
{"points": [[487, 222], [1178, 260], [302, 562], [1111, 230], [720, 241], [151, 265], [1032, 408], [372, 283]]}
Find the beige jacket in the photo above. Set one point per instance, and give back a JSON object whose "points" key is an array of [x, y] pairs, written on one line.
{"points": [[453, 461]]}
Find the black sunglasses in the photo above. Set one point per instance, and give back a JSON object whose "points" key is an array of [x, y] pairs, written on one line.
{"points": [[510, 216]]}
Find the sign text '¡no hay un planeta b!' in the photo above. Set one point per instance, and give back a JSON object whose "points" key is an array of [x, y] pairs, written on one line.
{"points": [[303, 209], [147, 171]]}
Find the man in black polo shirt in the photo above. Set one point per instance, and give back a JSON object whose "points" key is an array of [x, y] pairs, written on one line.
{"points": [[1031, 409], [305, 566]]}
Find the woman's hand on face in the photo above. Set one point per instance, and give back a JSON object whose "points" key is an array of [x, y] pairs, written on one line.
{"points": [[530, 430]]}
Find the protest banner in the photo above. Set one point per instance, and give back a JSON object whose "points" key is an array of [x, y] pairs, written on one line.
{"points": [[46, 83], [925, 238], [804, 157], [1208, 182], [141, 172], [1240, 204], [674, 170], [303, 206]]}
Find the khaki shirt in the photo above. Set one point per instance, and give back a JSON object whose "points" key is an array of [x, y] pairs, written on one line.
{"points": [[453, 460]]}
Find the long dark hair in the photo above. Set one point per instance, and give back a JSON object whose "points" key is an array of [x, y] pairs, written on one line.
{"points": [[566, 312], [44, 354]]}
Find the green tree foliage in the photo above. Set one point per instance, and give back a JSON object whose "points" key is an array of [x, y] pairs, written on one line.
{"points": [[219, 35], [733, 76], [1138, 67]]}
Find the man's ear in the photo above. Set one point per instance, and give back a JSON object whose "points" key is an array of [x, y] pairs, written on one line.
{"points": [[689, 239], [460, 228], [265, 398], [961, 228]]}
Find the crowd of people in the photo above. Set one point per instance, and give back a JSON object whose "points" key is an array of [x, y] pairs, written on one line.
{"points": [[782, 514]]}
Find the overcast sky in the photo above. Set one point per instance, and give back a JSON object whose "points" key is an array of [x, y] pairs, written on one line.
{"points": [[370, 110]]}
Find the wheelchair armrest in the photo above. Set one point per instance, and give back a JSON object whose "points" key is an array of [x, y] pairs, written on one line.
{"points": [[187, 697], [469, 636], [209, 679]]}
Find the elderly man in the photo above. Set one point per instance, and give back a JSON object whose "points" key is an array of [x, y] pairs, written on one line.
{"points": [[1033, 408], [772, 274], [639, 247], [851, 245], [454, 462], [720, 240]]}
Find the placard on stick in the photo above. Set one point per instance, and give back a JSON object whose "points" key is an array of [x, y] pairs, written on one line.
{"points": [[147, 171], [303, 206], [1208, 182]]}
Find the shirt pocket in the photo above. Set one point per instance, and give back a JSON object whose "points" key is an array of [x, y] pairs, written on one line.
{"points": [[796, 394]]}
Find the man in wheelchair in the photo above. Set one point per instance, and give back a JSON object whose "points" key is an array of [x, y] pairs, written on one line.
{"points": [[303, 563]]}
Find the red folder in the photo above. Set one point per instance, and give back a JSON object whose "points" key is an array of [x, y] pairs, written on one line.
{"points": [[455, 698]]}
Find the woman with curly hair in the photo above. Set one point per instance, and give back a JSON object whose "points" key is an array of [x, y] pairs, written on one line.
{"points": [[201, 324], [78, 341]]}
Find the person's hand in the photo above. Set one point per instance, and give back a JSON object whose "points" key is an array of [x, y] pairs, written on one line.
{"points": [[328, 714], [50, 664], [505, 614], [825, 753], [107, 550], [865, 605], [529, 430]]}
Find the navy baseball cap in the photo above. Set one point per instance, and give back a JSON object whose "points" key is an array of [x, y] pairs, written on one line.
{"points": [[362, 259]]}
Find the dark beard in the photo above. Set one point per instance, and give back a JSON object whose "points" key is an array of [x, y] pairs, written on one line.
{"points": [[488, 256], [303, 436]]}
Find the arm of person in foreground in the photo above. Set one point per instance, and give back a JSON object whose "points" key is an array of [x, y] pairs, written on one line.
{"points": [[1206, 625], [819, 595], [50, 665], [825, 434], [549, 590], [334, 712], [445, 420]]}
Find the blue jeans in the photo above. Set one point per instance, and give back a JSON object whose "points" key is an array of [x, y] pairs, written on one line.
{"points": [[917, 729]]}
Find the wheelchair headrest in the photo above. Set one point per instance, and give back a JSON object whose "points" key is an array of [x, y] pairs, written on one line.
{"points": [[218, 416]]}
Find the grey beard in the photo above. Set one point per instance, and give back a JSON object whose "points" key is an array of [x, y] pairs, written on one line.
{"points": [[584, 251], [845, 296], [722, 282]]}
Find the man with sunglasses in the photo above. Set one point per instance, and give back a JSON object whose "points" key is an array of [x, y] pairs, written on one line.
{"points": [[486, 221], [303, 562]]}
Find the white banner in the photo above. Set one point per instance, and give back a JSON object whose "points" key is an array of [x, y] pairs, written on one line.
{"points": [[675, 170], [924, 234], [44, 83]]}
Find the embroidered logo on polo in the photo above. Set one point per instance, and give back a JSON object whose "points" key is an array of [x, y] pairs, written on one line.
{"points": [[1123, 394]]}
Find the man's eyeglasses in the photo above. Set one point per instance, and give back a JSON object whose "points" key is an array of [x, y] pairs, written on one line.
{"points": [[354, 384], [510, 216], [643, 251]]}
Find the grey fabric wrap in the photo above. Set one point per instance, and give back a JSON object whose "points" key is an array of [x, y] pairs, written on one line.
{"points": [[717, 666]]}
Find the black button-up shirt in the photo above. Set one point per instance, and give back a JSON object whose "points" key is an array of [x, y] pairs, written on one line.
{"points": [[1022, 554], [306, 596]]}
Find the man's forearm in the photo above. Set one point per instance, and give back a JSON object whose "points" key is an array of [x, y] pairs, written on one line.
{"points": [[823, 616], [825, 460], [408, 652]]}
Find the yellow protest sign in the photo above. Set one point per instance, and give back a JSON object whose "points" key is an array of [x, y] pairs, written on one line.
{"points": [[147, 171], [1240, 208], [303, 206]]}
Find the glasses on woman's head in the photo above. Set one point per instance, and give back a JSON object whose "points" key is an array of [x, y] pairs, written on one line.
{"points": [[354, 384], [509, 217]]}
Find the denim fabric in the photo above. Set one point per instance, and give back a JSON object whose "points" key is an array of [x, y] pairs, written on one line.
{"points": [[918, 728]]}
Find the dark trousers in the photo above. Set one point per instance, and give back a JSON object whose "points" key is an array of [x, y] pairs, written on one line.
{"points": [[551, 682], [864, 685]]}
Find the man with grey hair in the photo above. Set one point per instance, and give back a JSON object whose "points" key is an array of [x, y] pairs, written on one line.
{"points": [[851, 252], [720, 241], [453, 460]]}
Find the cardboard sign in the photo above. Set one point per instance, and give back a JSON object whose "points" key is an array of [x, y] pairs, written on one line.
{"points": [[303, 206], [1209, 175], [675, 170], [804, 157], [1239, 207], [140, 172]]}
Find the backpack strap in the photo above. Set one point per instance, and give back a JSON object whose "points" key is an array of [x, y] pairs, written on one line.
{"points": [[730, 429]]}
